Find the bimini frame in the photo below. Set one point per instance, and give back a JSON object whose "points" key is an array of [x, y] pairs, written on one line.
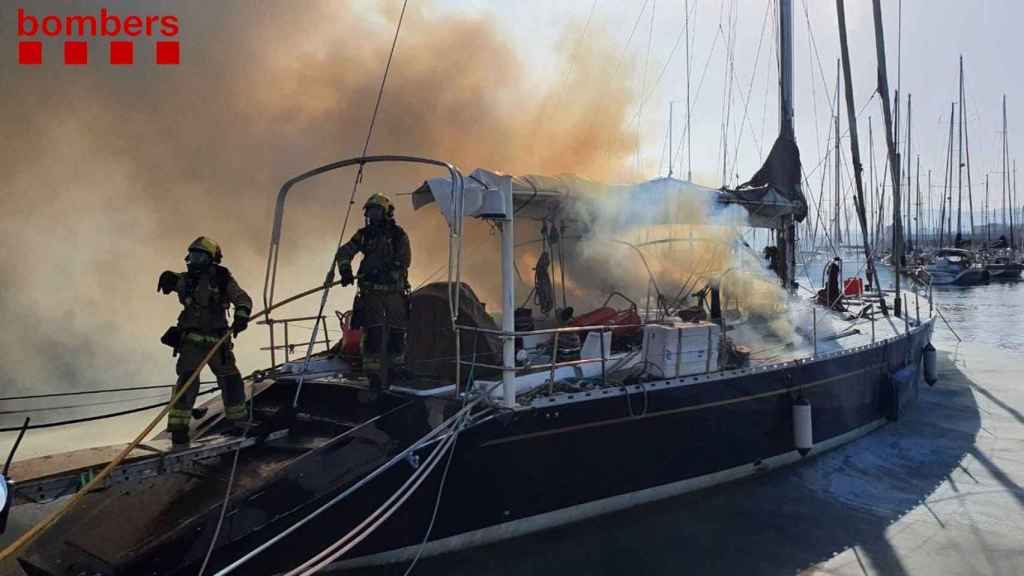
{"points": [[454, 240]]}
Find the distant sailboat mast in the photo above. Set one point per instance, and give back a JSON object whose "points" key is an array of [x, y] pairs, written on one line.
{"points": [[967, 153]]}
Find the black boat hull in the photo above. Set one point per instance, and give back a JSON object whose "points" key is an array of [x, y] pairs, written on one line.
{"points": [[565, 458]]}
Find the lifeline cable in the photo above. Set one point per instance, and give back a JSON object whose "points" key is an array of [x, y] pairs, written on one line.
{"points": [[350, 540], [83, 405], [234, 466], [97, 391], [227, 494], [99, 416], [42, 526], [366, 479]]}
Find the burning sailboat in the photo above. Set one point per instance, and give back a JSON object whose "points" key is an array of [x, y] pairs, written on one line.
{"points": [[512, 423]]}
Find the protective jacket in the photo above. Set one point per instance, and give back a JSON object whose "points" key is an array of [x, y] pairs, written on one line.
{"points": [[206, 298], [386, 257]]}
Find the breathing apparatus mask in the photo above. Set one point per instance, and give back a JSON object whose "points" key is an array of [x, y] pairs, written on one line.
{"points": [[198, 261], [375, 214]]}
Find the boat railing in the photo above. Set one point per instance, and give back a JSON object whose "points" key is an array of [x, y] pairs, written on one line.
{"points": [[603, 330], [288, 346]]}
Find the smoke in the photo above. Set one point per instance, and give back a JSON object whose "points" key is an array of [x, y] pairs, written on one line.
{"points": [[661, 242], [109, 172]]}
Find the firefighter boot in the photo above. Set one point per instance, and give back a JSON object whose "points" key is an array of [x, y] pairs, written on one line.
{"points": [[179, 439], [232, 393]]}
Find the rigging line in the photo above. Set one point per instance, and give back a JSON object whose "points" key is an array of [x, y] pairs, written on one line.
{"points": [[750, 89], [846, 132], [643, 85], [747, 104], [329, 279], [814, 84], [817, 55], [730, 46], [689, 109], [85, 405], [227, 493], [372, 522], [703, 74], [560, 97], [97, 417], [373, 121], [654, 87], [444, 476], [773, 55], [445, 426], [621, 58], [98, 391], [437, 506]]}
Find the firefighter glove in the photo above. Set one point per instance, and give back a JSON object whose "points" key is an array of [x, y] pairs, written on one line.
{"points": [[346, 276], [168, 282], [241, 321]]}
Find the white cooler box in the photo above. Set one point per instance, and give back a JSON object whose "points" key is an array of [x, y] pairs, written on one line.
{"points": [[681, 349]]}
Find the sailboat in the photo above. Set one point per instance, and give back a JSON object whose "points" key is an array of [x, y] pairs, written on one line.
{"points": [[1001, 260], [510, 423], [958, 265]]}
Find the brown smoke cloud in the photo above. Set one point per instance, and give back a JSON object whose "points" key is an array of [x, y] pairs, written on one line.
{"points": [[109, 172]]}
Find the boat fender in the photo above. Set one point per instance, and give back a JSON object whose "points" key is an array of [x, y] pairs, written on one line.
{"points": [[803, 437], [931, 365], [903, 380], [5, 503]]}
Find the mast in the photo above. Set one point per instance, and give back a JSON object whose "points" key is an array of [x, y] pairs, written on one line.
{"points": [[909, 226], [1013, 205], [883, 91], [947, 194], [858, 168], [967, 152], [786, 233], [1006, 180], [960, 163], [988, 222], [917, 210], [931, 211]]}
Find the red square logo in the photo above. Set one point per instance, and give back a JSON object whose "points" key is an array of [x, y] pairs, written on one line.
{"points": [[122, 52], [167, 53], [30, 52], [76, 53]]}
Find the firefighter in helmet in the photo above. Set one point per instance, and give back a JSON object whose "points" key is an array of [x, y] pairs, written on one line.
{"points": [[381, 305], [206, 290]]}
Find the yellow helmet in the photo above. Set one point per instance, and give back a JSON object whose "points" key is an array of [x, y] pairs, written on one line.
{"points": [[379, 200], [207, 244]]}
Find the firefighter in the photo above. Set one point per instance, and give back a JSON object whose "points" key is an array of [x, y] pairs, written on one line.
{"points": [[381, 307], [205, 290]]}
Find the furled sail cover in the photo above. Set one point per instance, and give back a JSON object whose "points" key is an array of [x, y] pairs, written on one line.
{"points": [[774, 192]]}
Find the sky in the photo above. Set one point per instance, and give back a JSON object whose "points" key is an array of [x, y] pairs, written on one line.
{"points": [[111, 172], [924, 39]]}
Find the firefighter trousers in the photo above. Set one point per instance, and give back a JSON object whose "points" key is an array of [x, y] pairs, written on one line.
{"points": [[194, 348], [384, 316]]}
